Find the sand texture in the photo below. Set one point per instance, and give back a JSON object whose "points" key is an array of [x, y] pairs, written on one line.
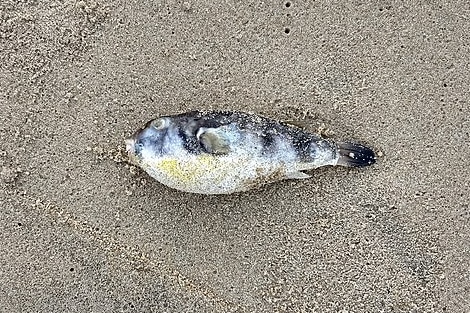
{"points": [[83, 231]]}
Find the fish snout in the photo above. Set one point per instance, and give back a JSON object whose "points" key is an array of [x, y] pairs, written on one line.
{"points": [[131, 151], [130, 145]]}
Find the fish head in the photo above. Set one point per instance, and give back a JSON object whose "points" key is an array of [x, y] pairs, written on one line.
{"points": [[151, 141]]}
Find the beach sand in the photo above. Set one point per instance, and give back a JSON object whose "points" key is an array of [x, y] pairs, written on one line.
{"points": [[83, 231]]}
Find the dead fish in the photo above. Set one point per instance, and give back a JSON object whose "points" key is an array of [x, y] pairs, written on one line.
{"points": [[227, 152]]}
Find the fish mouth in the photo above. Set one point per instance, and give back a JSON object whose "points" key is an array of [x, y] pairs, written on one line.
{"points": [[130, 143], [130, 149]]}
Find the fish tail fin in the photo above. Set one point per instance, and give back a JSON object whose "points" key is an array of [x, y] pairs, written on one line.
{"points": [[355, 155]]}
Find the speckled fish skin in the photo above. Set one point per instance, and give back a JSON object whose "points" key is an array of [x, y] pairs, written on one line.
{"points": [[227, 152]]}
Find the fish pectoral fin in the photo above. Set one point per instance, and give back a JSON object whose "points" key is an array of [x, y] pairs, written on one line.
{"points": [[297, 175], [213, 141]]}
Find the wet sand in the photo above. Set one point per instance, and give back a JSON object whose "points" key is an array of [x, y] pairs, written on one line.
{"points": [[82, 230]]}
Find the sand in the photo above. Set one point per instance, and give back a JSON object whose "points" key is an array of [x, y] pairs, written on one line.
{"points": [[83, 231]]}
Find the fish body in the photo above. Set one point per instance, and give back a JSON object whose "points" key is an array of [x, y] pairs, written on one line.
{"points": [[226, 152]]}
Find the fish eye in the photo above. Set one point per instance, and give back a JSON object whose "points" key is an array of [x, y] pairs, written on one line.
{"points": [[159, 123]]}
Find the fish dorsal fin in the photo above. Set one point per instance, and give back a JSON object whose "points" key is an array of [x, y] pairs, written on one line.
{"points": [[213, 140], [299, 124]]}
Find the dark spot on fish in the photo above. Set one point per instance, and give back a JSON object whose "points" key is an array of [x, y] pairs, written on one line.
{"points": [[270, 130], [302, 144], [268, 140], [190, 142], [189, 124], [209, 123]]}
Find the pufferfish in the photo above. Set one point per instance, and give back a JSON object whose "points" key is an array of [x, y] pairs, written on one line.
{"points": [[227, 152]]}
